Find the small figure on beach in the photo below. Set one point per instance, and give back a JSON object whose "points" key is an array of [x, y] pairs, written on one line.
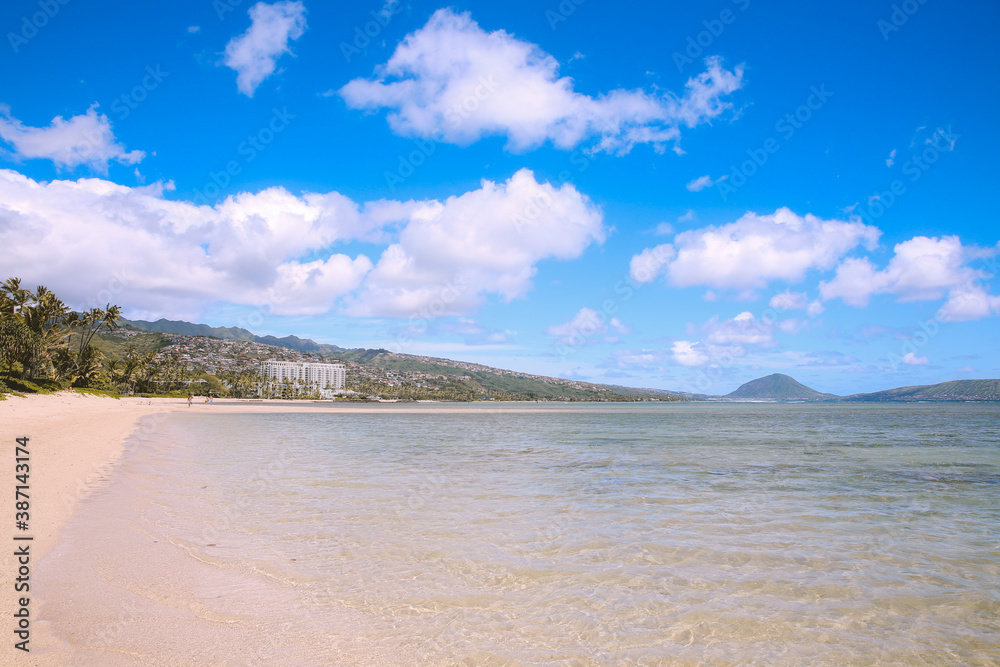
{"points": [[206, 400], [210, 399], [190, 398]]}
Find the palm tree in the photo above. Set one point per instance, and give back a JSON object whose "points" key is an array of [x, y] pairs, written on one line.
{"points": [[89, 366], [14, 294], [47, 320], [35, 326], [16, 342], [35, 329], [128, 373], [93, 321], [139, 370]]}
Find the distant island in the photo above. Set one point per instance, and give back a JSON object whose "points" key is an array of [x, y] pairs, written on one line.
{"points": [[779, 387]]}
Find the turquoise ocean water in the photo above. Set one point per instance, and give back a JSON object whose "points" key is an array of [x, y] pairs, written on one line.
{"points": [[650, 534]]}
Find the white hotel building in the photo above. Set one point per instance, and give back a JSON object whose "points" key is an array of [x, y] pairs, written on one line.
{"points": [[327, 379]]}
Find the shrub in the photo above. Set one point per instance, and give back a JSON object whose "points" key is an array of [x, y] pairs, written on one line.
{"points": [[110, 393], [36, 386]]}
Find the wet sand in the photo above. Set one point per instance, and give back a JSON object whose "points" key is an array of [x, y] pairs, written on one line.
{"points": [[75, 442]]}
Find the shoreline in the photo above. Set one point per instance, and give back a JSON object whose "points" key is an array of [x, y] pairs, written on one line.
{"points": [[76, 444], [75, 440], [131, 577]]}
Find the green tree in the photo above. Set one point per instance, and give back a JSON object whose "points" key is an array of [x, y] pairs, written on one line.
{"points": [[16, 342], [37, 325], [90, 323]]}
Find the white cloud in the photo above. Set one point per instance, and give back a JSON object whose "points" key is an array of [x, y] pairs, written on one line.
{"points": [[854, 282], [254, 54], [84, 139], [687, 353], [645, 266], [172, 257], [664, 229], [912, 359], [454, 82], [472, 332], [618, 327], [702, 182], [754, 250], [922, 269], [968, 302], [194, 28], [276, 249], [488, 241], [891, 160], [636, 359], [586, 324], [389, 7], [744, 329], [789, 301], [796, 301], [791, 326], [729, 339]]}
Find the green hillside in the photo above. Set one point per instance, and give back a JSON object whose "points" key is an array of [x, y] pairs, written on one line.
{"points": [[188, 329], [777, 387], [956, 390], [468, 379], [388, 369], [116, 346], [234, 333], [494, 380]]}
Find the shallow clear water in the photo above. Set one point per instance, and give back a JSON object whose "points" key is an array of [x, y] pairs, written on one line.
{"points": [[716, 534]]}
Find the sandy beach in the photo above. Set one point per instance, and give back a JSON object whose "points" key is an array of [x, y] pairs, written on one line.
{"points": [[74, 442]]}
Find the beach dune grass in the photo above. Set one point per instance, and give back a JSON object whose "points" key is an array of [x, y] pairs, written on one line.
{"points": [[35, 386]]}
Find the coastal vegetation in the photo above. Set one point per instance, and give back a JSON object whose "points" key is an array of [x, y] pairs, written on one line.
{"points": [[46, 347], [37, 347]]}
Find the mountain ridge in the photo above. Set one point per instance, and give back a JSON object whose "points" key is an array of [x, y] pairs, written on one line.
{"points": [[774, 387], [486, 378], [183, 328], [777, 387], [952, 390]]}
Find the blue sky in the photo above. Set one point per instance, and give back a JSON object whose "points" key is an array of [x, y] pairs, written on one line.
{"points": [[682, 197]]}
